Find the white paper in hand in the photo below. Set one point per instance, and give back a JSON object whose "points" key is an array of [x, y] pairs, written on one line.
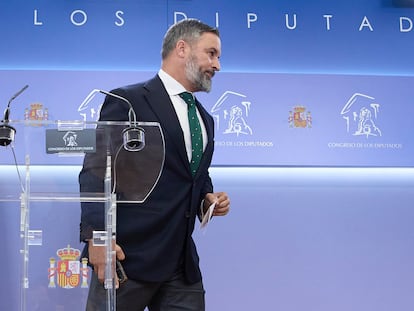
{"points": [[207, 216]]}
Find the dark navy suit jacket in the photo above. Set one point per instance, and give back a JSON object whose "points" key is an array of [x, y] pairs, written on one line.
{"points": [[155, 235]]}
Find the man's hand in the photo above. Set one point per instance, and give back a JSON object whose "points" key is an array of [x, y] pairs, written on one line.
{"points": [[97, 258], [222, 203]]}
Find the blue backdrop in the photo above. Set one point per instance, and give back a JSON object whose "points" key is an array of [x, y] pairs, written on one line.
{"points": [[311, 86], [331, 79]]}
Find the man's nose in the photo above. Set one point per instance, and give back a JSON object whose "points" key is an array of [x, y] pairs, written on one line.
{"points": [[216, 65]]}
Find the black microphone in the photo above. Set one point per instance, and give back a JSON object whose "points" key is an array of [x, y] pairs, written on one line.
{"points": [[133, 136], [8, 132]]}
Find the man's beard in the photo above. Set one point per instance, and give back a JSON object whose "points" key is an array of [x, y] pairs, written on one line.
{"points": [[200, 80]]}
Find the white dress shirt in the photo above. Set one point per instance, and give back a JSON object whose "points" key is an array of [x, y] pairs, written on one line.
{"points": [[174, 88]]}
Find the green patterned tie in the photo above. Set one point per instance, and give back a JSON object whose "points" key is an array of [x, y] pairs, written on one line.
{"points": [[195, 130]]}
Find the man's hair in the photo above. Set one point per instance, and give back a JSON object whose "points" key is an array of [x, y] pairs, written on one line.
{"points": [[188, 30]]}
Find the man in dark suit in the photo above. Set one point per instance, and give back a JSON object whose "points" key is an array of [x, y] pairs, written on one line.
{"points": [[154, 239]]}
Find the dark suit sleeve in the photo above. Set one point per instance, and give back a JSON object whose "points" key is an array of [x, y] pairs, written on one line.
{"points": [[208, 188], [91, 177], [91, 182], [208, 184]]}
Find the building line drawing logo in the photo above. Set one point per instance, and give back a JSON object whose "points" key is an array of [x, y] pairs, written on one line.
{"points": [[361, 113], [231, 112], [90, 111], [70, 139]]}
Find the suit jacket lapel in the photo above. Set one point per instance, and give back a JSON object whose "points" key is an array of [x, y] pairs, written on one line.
{"points": [[210, 133], [162, 107], [159, 100]]}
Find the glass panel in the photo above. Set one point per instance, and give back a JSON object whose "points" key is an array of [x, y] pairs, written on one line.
{"points": [[42, 198]]}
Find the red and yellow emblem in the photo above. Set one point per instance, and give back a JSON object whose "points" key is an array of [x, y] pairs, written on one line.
{"points": [[36, 112], [299, 117], [69, 271]]}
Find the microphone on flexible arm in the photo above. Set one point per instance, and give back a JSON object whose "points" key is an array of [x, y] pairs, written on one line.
{"points": [[133, 136], [8, 132]]}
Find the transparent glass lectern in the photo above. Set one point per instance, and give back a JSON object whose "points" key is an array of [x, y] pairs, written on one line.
{"points": [[41, 197]]}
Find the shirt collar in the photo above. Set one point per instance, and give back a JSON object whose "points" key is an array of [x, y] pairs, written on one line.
{"points": [[172, 86]]}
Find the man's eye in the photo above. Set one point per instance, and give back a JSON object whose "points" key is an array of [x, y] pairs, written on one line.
{"points": [[211, 53]]}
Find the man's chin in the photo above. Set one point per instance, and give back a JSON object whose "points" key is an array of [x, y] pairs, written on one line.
{"points": [[209, 75], [203, 85], [206, 87], [207, 83]]}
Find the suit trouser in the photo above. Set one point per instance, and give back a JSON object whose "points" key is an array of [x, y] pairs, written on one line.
{"points": [[173, 295]]}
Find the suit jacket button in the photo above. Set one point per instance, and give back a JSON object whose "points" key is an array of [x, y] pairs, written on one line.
{"points": [[187, 214]]}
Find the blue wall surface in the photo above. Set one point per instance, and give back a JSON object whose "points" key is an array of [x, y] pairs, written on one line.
{"points": [[319, 165]]}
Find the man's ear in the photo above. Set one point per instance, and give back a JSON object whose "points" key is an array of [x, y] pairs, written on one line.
{"points": [[181, 48]]}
